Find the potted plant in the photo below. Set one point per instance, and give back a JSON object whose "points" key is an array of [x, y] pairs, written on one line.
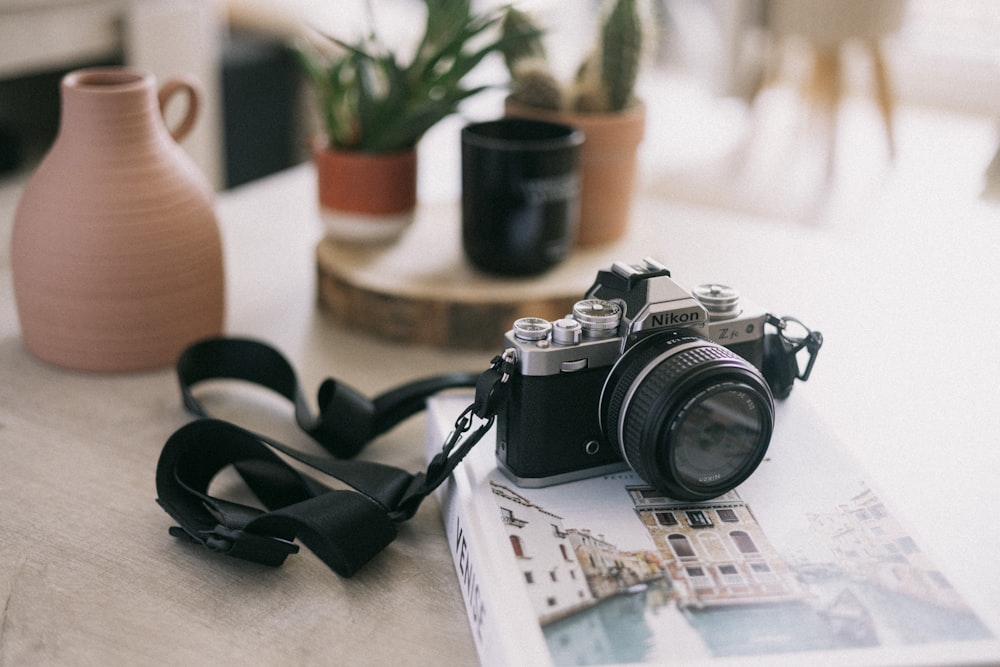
{"points": [[600, 100], [375, 107]]}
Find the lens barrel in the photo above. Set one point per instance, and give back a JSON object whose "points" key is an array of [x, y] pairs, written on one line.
{"points": [[690, 416]]}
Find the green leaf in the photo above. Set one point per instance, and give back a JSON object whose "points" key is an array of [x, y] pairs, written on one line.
{"points": [[370, 101]]}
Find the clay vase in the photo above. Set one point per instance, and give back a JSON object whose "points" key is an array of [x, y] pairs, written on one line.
{"points": [[608, 166], [116, 253], [365, 197]]}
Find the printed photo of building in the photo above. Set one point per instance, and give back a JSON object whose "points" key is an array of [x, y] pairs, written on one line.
{"points": [[865, 541], [712, 583], [555, 581], [610, 571], [567, 570], [714, 552]]}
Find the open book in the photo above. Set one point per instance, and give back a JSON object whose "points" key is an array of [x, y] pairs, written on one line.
{"points": [[805, 561]]}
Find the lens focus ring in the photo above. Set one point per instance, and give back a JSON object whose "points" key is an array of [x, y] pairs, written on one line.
{"points": [[646, 391], [648, 394], [633, 363]]}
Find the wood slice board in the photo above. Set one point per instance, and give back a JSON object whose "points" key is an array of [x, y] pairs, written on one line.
{"points": [[422, 290]]}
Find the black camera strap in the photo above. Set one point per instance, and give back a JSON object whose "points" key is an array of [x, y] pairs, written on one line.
{"points": [[344, 527], [781, 354]]}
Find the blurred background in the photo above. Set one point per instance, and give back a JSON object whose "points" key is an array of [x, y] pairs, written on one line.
{"points": [[812, 94]]}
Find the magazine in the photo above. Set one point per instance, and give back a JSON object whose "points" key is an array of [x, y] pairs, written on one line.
{"points": [[804, 561]]}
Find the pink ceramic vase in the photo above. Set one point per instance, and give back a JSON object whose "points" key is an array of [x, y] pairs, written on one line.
{"points": [[116, 254]]}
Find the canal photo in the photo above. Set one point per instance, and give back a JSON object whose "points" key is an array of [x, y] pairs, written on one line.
{"points": [[804, 557]]}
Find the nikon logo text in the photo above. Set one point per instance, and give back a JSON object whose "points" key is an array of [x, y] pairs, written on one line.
{"points": [[674, 318]]}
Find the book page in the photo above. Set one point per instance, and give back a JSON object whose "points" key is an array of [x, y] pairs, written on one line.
{"points": [[804, 560]]}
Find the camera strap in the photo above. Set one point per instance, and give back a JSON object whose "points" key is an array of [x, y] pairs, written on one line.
{"points": [[781, 354], [344, 527]]}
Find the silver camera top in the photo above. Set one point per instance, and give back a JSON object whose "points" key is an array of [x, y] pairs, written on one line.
{"points": [[627, 302], [586, 338], [650, 299]]}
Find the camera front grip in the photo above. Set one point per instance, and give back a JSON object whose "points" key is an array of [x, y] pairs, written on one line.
{"points": [[781, 363]]}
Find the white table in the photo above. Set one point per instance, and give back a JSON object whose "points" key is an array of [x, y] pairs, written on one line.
{"points": [[903, 284]]}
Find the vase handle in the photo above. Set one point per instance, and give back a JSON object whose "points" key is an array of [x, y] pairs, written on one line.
{"points": [[173, 87]]}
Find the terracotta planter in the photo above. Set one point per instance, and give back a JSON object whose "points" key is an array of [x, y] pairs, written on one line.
{"points": [[365, 197], [608, 166], [116, 254]]}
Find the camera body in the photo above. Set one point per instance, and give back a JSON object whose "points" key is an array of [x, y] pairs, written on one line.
{"points": [[640, 366]]}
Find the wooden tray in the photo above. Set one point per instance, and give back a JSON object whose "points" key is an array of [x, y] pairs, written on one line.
{"points": [[422, 290]]}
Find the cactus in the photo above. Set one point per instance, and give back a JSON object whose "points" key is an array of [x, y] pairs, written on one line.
{"points": [[604, 82], [587, 93], [621, 48], [529, 47], [534, 85]]}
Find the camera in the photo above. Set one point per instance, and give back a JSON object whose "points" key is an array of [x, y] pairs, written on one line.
{"points": [[677, 385]]}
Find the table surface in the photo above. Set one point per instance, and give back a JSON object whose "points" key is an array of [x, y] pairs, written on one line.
{"points": [[899, 275]]}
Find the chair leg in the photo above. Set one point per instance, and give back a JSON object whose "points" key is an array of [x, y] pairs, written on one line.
{"points": [[883, 95], [824, 95]]}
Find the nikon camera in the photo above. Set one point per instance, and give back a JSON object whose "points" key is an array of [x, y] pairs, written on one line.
{"points": [[647, 375]]}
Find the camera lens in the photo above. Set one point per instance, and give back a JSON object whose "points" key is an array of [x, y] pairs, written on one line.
{"points": [[690, 416], [715, 434]]}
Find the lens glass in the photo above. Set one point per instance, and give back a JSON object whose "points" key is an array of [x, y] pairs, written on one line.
{"points": [[716, 435], [692, 417]]}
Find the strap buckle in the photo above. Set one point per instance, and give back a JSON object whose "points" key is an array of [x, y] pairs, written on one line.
{"points": [[239, 543], [811, 341]]}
